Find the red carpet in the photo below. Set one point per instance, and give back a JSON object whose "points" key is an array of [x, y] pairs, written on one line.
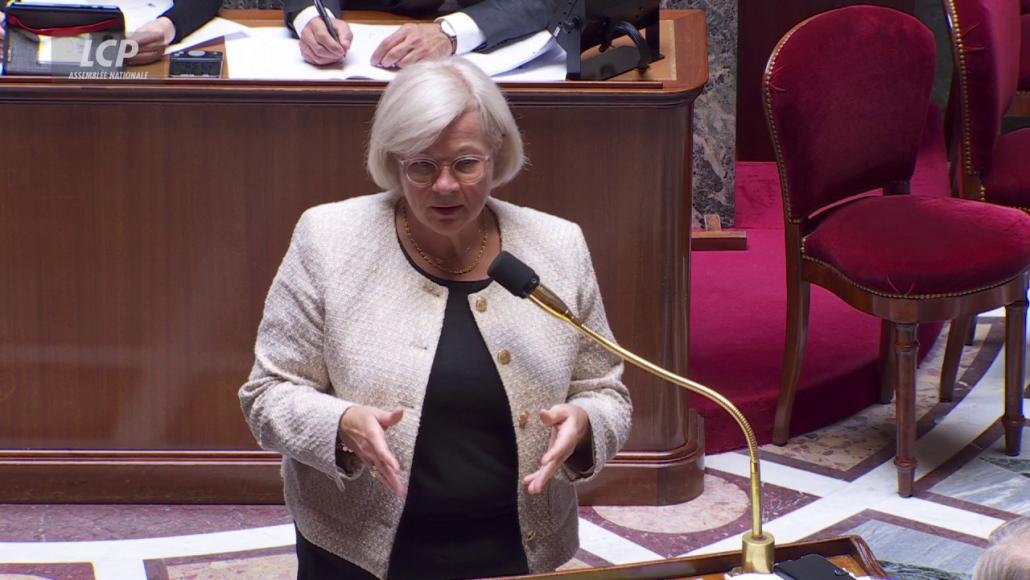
{"points": [[738, 314]]}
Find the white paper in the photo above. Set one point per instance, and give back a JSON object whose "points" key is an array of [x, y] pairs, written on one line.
{"points": [[512, 56], [548, 67], [215, 28], [271, 53]]}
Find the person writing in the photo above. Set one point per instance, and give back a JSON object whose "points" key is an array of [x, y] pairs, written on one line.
{"points": [[431, 424], [178, 22], [479, 25]]}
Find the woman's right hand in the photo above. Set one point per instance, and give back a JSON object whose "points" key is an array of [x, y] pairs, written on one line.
{"points": [[363, 431]]}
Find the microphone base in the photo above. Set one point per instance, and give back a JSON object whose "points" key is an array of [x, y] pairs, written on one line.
{"points": [[758, 552]]}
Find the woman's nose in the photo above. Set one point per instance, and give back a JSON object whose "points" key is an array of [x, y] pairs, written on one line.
{"points": [[445, 181]]}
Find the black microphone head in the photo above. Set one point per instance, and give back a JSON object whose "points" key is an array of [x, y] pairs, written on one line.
{"points": [[513, 274]]}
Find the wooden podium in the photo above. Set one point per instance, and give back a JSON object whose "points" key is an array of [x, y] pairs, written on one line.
{"points": [[848, 552], [142, 221]]}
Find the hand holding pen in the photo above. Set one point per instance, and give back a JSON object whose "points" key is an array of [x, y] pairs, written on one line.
{"points": [[325, 40]]}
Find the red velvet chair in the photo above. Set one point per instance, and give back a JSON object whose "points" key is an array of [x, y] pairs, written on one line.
{"points": [[1021, 104], [846, 96], [986, 42]]}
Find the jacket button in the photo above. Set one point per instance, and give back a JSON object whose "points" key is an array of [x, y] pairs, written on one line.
{"points": [[530, 536], [523, 419], [481, 304], [503, 356]]}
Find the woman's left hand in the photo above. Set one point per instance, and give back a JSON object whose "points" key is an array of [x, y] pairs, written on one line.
{"points": [[569, 425]]}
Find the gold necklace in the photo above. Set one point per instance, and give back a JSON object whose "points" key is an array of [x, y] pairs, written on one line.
{"points": [[435, 262]]}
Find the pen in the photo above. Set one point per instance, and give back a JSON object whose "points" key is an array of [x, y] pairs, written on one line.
{"points": [[324, 14]]}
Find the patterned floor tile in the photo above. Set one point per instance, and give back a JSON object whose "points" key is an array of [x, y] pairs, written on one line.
{"points": [[76, 571], [274, 564], [723, 510], [1014, 464], [913, 572], [913, 550], [852, 447], [70, 523], [991, 479]]}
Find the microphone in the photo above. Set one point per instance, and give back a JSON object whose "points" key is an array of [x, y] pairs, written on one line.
{"points": [[519, 279]]}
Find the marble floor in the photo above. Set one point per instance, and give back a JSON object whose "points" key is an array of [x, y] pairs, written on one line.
{"points": [[838, 480]]}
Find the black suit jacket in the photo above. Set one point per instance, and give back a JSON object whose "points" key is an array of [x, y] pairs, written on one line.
{"points": [[189, 15], [500, 20]]}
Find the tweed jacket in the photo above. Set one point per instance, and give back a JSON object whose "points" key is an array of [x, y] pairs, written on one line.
{"points": [[349, 321]]}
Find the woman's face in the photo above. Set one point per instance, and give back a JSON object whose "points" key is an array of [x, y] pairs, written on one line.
{"points": [[454, 198]]}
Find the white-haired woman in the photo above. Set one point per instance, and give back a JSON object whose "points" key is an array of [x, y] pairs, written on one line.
{"points": [[431, 424], [1007, 556]]}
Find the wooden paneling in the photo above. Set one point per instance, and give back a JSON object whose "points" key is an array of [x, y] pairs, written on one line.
{"points": [[142, 223]]}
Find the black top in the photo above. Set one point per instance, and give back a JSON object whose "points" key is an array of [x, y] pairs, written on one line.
{"points": [[465, 460], [461, 514], [189, 15]]}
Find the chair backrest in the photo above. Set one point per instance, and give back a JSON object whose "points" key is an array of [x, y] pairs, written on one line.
{"points": [[986, 41], [1024, 52], [846, 97]]}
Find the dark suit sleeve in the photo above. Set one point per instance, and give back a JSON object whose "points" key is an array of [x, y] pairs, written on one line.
{"points": [[505, 20], [291, 8], [189, 15]]}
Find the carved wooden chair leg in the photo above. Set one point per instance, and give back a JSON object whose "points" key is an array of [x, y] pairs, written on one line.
{"points": [[905, 350], [1015, 374], [798, 294], [971, 332], [886, 361], [952, 356]]}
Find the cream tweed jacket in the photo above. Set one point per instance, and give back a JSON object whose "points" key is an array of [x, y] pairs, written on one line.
{"points": [[349, 321]]}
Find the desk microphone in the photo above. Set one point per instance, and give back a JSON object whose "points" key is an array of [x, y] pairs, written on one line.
{"points": [[519, 279]]}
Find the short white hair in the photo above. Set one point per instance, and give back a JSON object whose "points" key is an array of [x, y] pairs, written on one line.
{"points": [[422, 101], [1006, 557]]}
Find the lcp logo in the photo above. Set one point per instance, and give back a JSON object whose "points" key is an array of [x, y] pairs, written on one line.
{"points": [[123, 48]]}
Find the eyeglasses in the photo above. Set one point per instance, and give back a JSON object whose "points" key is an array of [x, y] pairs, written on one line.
{"points": [[467, 169]]}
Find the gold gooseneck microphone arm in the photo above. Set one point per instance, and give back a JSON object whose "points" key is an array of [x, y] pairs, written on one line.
{"points": [[758, 547]]}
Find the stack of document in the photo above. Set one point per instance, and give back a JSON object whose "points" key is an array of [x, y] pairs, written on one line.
{"points": [[273, 53]]}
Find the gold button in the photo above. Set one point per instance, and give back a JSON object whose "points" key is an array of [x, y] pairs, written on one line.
{"points": [[504, 357], [481, 304], [523, 419], [530, 535]]}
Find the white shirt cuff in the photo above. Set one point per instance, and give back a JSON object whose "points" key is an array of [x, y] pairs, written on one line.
{"points": [[305, 16], [468, 34]]}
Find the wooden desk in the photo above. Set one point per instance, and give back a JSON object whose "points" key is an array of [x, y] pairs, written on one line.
{"points": [[141, 222], [849, 552]]}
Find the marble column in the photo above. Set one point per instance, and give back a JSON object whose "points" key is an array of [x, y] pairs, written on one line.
{"points": [[715, 126]]}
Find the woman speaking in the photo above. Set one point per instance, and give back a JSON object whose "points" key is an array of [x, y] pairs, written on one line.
{"points": [[431, 424]]}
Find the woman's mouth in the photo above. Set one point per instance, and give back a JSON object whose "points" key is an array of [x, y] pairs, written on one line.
{"points": [[447, 210]]}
